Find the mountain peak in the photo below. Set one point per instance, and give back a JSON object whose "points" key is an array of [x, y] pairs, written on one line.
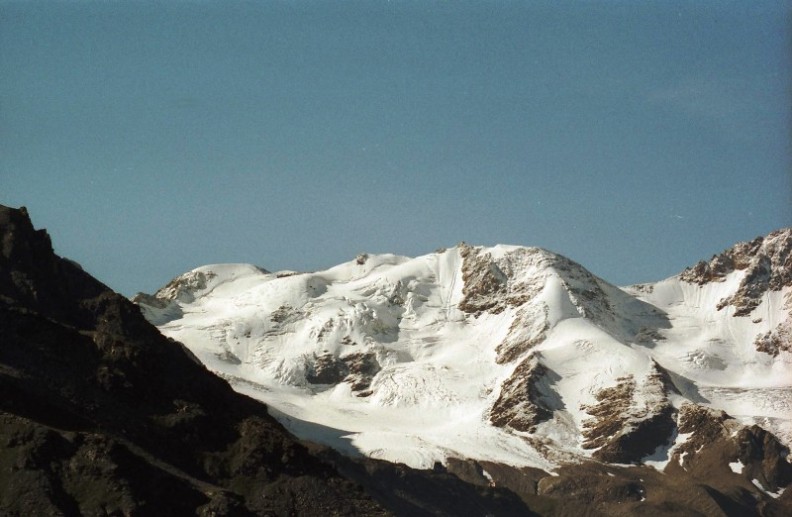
{"points": [[20, 244], [765, 264], [33, 276]]}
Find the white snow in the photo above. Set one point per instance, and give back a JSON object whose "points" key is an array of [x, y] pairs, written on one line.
{"points": [[774, 495], [660, 458], [439, 376], [736, 467], [682, 459]]}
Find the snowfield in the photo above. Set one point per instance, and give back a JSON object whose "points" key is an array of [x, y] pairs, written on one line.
{"points": [[507, 354]]}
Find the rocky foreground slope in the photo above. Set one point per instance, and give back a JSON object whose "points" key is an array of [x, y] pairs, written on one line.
{"points": [[521, 360]]}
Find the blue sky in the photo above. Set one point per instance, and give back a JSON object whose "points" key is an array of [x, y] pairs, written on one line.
{"points": [[633, 137]]}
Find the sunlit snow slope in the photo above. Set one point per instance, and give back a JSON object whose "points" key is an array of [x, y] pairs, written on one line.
{"points": [[508, 354]]}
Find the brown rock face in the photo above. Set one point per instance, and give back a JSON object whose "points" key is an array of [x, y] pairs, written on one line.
{"points": [[767, 262], [357, 369], [625, 428], [717, 440], [489, 285], [524, 401], [485, 283], [777, 340], [766, 460], [528, 329]]}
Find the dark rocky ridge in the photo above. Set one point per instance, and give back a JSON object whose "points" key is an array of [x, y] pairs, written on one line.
{"points": [[103, 415]]}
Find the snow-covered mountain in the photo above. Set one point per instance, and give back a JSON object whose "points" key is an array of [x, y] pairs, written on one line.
{"points": [[508, 355]]}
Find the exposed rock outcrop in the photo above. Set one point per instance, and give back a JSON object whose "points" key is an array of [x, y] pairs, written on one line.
{"points": [[528, 329], [525, 399], [630, 420], [717, 440], [484, 282], [777, 340], [358, 369]]}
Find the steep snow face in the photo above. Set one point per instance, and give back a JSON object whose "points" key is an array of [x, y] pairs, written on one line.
{"points": [[507, 354]]}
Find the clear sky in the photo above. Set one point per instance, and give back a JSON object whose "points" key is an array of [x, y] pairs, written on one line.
{"points": [[633, 137]]}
